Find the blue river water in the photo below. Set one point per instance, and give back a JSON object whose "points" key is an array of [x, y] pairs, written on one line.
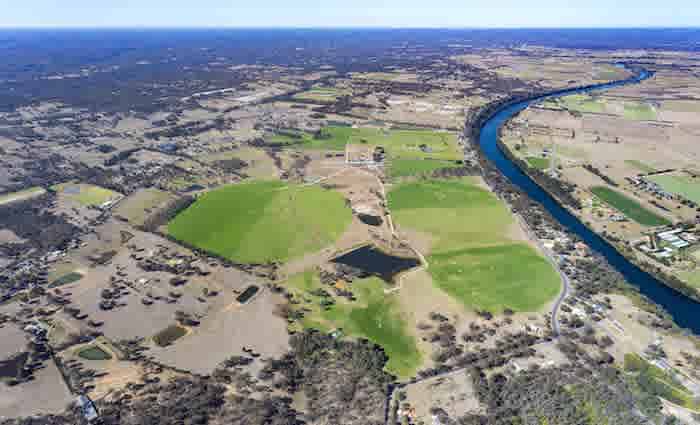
{"points": [[685, 311]]}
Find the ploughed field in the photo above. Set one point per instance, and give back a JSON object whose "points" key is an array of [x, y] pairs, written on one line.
{"points": [[262, 222], [473, 258]]}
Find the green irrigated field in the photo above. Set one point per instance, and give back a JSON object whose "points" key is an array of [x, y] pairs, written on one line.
{"points": [[85, 194], [682, 185], [629, 207], [402, 144], [374, 315], [537, 162], [639, 111], [413, 167], [473, 258], [259, 222]]}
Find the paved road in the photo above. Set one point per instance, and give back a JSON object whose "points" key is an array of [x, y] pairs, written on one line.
{"points": [[564, 293], [551, 257]]}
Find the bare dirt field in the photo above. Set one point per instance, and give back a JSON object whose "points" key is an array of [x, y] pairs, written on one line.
{"points": [[453, 393], [226, 332], [47, 393]]}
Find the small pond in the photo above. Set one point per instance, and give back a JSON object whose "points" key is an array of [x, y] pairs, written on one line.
{"points": [[247, 294], [12, 367], [373, 261]]}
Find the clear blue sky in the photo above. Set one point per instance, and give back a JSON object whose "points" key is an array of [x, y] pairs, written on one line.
{"points": [[333, 13]]}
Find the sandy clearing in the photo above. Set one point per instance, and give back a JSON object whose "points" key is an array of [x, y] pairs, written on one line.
{"points": [[225, 333], [47, 393], [453, 393]]}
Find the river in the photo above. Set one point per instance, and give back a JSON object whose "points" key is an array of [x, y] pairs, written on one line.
{"points": [[683, 309]]}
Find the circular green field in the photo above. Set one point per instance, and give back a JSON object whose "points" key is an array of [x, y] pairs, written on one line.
{"points": [[262, 222]]}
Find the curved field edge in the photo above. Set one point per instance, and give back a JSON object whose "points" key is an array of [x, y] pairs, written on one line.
{"points": [[473, 257], [373, 315], [264, 221]]}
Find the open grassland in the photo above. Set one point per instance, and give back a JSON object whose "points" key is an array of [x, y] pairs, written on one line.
{"points": [[414, 167], [21, 195], [374, 315], [653, 380], [641, 166], [137, 207], [537, 162], [681, 106], [290, 138], [639, 111], [94, 352], [86, 194], [683, 185], [321, 94], [629, 207], [259, 222], [473, 257], [579, 103], [404, 144], [66, 279]]}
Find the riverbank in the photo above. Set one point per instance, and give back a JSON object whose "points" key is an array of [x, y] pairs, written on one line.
{"points": [[545, 215], [666, 278]]}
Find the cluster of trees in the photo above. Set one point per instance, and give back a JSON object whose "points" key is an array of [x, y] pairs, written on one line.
{"points": [[32, 220], [344, 381], [600, 174]]}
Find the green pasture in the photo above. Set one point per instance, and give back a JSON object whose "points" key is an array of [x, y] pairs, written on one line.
{"points": [[94, 352], [683, 185], [263, 221], [639, 111], [538, 162], [473, 257], [414, 167], [374, 316], [629, 207], [85, 194], [641, 166]]}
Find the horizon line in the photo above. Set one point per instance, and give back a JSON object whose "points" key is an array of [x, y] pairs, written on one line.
{"points": [[321, 27]]}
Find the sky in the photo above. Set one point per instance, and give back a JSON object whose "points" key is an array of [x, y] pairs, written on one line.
{"points": [[349, 13]]}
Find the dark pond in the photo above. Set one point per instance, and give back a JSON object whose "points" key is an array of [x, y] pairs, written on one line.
{"points": [[247, 294], [376, 262], [12, 367]]}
